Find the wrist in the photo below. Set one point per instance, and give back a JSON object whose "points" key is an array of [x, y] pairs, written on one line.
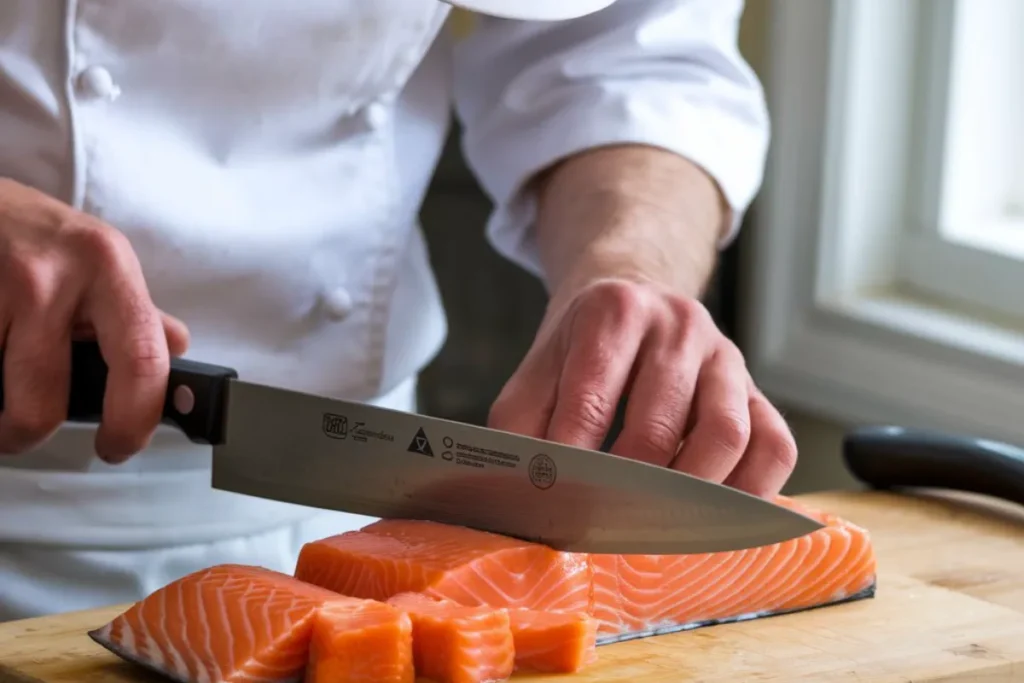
{"points": [[644, 244], [634, 214]]}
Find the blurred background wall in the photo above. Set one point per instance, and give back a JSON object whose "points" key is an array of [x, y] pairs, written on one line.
{"points": [[494, 307]]}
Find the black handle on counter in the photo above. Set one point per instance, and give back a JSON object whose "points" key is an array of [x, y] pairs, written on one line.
{"points": [[195, 392], [887, 457]]}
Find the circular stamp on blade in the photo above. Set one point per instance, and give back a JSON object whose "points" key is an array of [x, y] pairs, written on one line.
{"points": [[543, 471]]}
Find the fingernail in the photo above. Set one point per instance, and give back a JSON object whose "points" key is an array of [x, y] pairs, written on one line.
{"points": [[107, 450]]}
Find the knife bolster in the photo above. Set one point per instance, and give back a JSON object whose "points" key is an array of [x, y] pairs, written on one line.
{"points": [[196, 398]]}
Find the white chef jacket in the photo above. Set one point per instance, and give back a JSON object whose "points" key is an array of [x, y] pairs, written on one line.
{"points": [[267, 160]]}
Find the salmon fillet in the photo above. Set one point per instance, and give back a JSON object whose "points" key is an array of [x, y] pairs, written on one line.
{"points": [[361, 640], [636, 595], [229, 623], [629, 595], [457, 644], [553, 642], [453, 563]]}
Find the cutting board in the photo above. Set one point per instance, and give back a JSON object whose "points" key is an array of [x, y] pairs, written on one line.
{"points": [[949, 607]]}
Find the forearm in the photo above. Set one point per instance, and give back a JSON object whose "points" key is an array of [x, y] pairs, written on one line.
{"points": [[634, 212]]}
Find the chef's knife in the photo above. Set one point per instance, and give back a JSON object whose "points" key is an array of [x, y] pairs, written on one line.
{"points": [[352, 457], [892, 457]]}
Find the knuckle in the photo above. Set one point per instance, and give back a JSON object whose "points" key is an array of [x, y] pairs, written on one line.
{"points": [[589, 412], [732, 353], [147, 358], [689, 312], [659, 435], [675, 338], [32, 281], [682, 324], [781, 449], [730, 430], [618, 300], [102, 246]]}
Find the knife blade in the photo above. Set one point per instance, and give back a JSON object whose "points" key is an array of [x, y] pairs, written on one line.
{"points": [[353, 457]]}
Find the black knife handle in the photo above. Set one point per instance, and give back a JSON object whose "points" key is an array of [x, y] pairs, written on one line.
{"points": [[895, 457], [206, 384]]}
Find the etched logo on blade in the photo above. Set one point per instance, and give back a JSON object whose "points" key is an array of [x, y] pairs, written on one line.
{"points": [[335, 426], [421, 444], [543, 471]]}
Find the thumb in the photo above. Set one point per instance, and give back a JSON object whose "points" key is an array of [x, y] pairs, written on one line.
{"points": [[177, 334]]}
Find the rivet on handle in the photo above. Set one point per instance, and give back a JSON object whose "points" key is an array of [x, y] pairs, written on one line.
{"points": [[184, 400]]}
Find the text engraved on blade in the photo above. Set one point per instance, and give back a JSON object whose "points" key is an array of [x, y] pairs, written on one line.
{"points": [[543, 471], [338, 427], [479, 457], [362, 433]]}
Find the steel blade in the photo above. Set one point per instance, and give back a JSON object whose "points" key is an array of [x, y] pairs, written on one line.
{"points": [[361, 459]]}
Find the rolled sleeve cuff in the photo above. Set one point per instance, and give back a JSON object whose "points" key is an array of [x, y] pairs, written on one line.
{"points": [[728, 141]]}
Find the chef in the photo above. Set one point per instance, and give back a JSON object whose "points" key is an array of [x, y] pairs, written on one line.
{"points": [[238, 183]]}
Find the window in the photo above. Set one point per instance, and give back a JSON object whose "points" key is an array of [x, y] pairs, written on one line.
{"points": [[888, 241], [968, 244]]}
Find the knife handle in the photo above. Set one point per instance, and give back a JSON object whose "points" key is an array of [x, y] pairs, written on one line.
{"points": [[195, 393], [896, 457]]}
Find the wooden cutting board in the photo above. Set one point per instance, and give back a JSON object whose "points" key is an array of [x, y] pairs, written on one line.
{"points": [[949, 607]]}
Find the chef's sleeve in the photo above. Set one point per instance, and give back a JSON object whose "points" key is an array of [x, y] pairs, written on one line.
{"points": [[666, 73]]}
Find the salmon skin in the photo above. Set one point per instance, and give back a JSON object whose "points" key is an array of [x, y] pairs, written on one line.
{"points": [[630, 596]]}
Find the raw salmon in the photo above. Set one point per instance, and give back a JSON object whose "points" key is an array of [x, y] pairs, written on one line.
{"points": [[553, 642], [361, 641], [229, 623], [453, 563], [649, 594], [457, 644], [629, 595]]}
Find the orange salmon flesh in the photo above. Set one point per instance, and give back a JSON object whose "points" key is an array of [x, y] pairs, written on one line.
{"points": [[401, 599]]}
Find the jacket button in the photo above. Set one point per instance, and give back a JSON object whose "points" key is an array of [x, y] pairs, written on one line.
{"points": [[376, 114], [338, 303], [96, 81]]}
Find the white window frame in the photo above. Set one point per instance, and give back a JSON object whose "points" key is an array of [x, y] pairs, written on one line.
{"points": [[831, 328], [965, 241]]}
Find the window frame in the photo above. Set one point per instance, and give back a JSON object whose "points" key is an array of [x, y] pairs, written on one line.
{"points": [[831, 326], [966, 239]]}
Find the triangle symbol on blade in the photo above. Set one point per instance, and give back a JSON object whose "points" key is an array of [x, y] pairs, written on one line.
{"points": [[420, 444]]}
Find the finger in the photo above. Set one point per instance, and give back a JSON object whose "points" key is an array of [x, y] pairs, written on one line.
{"points": [[131, 337], [176, 333], [37, 366], [721, 419], [526, 402], [660, 398], [771, 455], [598, 365]]}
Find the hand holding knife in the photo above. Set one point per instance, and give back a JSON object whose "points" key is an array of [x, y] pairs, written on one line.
{"points": [[347, 456]]}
